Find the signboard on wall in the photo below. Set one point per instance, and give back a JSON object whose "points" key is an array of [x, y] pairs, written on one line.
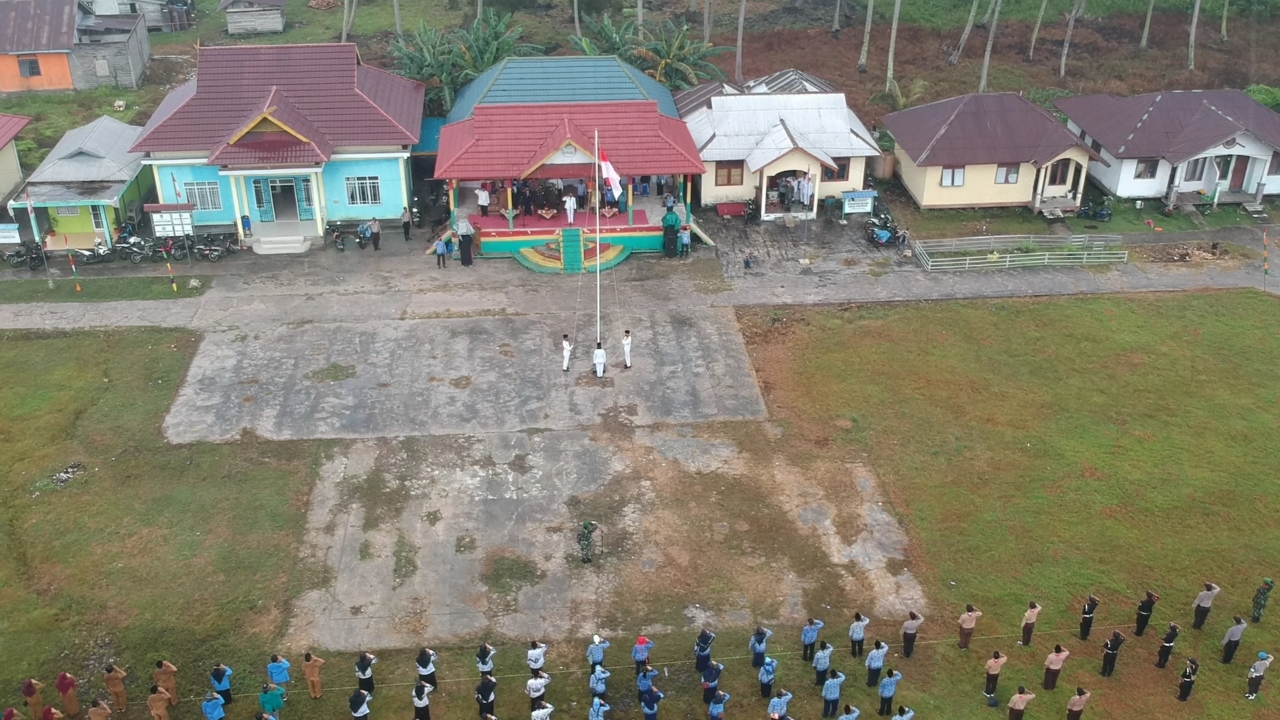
{"points": [[859, 201], [9, 233], [171, 224]]}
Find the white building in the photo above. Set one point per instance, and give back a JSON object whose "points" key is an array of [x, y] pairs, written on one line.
{"points": [[1185, 146]]}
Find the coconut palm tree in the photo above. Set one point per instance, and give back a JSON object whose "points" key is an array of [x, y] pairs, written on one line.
{"points": [[866, 37], [964, 36], [479, 8], [1146, 26], [349, 8], [1191, 40], [986, 18], [835, 21], [1076, 9], [889, 85], [1035, 32], [395, 7], [737, 58], [991, 40], [673, 59], [577, 27], [708, 19], [1226, 5]]}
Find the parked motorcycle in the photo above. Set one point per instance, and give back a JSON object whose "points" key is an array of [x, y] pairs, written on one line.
{"points": [[415, 212], [1101, 213], [208, 250], [100, 253], [340, 237], [35, 255], [170, 247], [752, 213], [17, 258], [127, 244], [885, 236], [140, 251]]}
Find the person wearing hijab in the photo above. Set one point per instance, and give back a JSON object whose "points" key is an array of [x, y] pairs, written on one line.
{"points": [[31, 696], [311, 670], [220, 676], [165, 680], [422, 703], [1187, 680], [359, 704], [598, 681], [485, 695], [364, 672], [11, 714], [759, 645], [51, 713], [426, 664], [66, 687], [211, 707], [598, 709], [484, 659], [702, 650], [114, 679], [649, 704], [158, 703]]}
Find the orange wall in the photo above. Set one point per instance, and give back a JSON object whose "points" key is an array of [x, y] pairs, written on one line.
{"points": [[55, 73]]}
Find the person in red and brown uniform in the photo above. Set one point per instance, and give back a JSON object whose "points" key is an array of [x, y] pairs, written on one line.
{"points": [[967, 622], [996, 662], [1018, 703], [1029, 623], [1075, 706], [1053, 667]]}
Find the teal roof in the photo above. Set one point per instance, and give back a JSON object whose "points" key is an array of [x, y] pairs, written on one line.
{"points": [[602, 78], [429, 139]]}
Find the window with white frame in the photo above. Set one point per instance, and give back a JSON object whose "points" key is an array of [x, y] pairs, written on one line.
{"points": [[1145, 169], [364, 190], [1274, 167], [1195, 170], [307, 200], [67, 211], [203, 195], [1006, 174], [952, 177]]}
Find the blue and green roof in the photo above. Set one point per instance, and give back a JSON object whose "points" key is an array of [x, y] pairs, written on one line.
{"points": [[572, 79]]}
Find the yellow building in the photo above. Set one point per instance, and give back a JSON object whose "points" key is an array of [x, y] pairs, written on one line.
{"points": [[989, 150], [10, 168]]}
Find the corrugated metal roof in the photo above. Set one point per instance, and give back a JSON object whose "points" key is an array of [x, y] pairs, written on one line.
{"points": [[1174, 125], [735, 125], [509, 141], [561, 79], [348, 103], [789, 81], [93, 153], [72, 193], [32, 26], [250, 4], [10, 126], [781, 140], [987, 128], [699, 96]]}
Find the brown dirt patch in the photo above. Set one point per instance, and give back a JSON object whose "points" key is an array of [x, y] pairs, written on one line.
{"points": [[1204, 252]]}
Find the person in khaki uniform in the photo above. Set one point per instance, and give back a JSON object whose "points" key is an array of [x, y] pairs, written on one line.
{"points": [[164, 677], [311, 670], [66, 687], [114, 680], [158, 703], [99, 710], [52, 713], [11, 714], [31, 695]]}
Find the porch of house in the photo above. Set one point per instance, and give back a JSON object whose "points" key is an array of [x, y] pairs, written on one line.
{"points": [[1225, 197]]}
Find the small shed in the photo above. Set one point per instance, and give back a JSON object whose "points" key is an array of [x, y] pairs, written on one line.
{"points": [[253, 17]]}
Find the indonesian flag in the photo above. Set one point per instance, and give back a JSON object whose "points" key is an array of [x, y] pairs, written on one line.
{"points": [[611, 176]]}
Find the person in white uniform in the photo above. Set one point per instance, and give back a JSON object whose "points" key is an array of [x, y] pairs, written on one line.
{"points": [[570, 204], [599, 359], [626, 348], [568, 349]]}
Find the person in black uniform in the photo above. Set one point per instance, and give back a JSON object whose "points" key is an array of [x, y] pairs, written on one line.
{"points": [[1110, 651], [1166, 645], [1188, 679], [1086, 616], [1145, 609], [485, 695]]}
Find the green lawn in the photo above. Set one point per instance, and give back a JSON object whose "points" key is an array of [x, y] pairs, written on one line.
{"points": [[54, 113], [1042, 450], [37, 290]]}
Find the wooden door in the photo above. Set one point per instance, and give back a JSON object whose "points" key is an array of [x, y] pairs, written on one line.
{"points": [[1239, 170]]}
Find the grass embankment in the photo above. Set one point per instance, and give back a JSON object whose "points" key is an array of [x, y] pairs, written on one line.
{"points": [[100, 289], [185, 552], [1043, 450]]}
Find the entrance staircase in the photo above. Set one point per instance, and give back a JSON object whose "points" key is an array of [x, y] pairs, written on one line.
{"points": [[280, 245]]}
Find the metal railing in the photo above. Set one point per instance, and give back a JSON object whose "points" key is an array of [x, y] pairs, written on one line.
{"points": [[1010, 251]]}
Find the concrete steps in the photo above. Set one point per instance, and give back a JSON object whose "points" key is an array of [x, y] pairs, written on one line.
{"points": [[281, 245]]}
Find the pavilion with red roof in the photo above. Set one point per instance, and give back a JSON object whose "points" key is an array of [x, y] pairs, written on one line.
{"points": [[526, 130]]}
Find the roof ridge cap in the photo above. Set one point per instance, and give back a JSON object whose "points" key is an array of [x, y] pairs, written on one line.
{"points": [[381, 112], [942, 130]]}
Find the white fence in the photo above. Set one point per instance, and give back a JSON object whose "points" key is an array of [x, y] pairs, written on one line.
{"points": [[1006, 251]]}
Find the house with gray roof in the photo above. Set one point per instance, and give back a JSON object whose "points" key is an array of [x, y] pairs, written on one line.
{"points": [[87, 186], [1196, 146]]}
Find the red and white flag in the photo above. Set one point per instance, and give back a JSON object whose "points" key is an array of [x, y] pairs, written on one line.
{"points": [[611, 176]]}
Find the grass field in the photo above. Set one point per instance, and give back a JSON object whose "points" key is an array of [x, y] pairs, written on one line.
{"points": [[99, 289], [1043, 450]]}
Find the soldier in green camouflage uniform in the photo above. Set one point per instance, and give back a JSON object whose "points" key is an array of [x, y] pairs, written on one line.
{"points": [[1260, 598], [585, 537]]}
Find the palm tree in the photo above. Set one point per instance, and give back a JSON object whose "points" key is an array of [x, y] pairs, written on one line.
{"points": [[349, 8], [1191, 41], [987, 16], [1035, 32], [479, 8], [577, 28], [835, 21], [1066, 41], [964, 36], [708, 19], [395, 7], [640, 13], [737, 58], [1226, 5], [1146, 26], [866, 37], [991, 40], [673, 59], [608, 39], [889, 84]]}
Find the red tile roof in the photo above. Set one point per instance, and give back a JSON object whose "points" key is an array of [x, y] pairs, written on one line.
{"points": [[300, 142], [512, 140], [980, 129], [325, 85], [1174, 125], [10, 126], [31, 26]]}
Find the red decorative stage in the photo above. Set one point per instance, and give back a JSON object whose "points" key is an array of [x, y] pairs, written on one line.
{"points": [[584, 221]]}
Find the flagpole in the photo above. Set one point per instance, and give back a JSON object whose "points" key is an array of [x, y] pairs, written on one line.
{"points": [[598, 195]]}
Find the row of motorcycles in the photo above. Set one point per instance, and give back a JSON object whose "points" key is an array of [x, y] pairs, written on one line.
{"points": [[135, 248], [881, 230]]}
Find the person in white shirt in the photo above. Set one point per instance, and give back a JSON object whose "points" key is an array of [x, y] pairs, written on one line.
{"points": [[484, 658], [570, 204], [482, 199], [535, 687], [568, 349], [626, 349], [543, 712], [598, 358], [422, 703], [537, 655], [359, 704]]}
